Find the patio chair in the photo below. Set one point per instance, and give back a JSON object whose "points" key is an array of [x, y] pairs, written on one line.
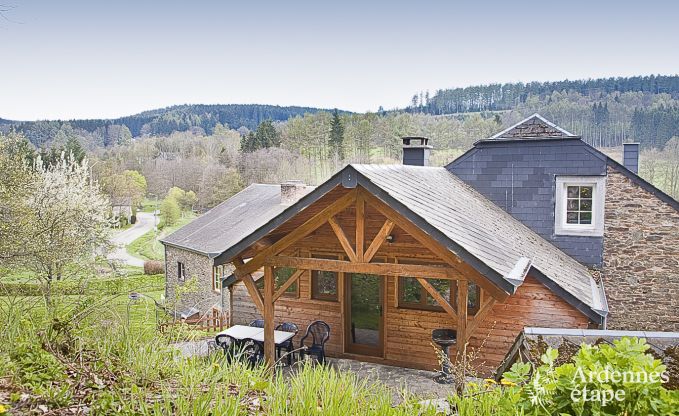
{"points": [[231, 346], [253, 351], [320, 333], [257, 323], [288, 345]]}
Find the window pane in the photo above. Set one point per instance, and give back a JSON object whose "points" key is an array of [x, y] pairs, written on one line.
{"points": [[585, 205], [573, 192], [281, 275], [585, 192], [325, 282], [585, 218], [411, 290], [473, 296], [572, 205], [572, 218]]}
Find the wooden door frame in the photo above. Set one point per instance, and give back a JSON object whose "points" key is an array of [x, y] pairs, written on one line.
{"points": [[358, 349]]}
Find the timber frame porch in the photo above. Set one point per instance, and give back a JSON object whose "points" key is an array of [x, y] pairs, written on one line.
{"points": [[361, 224]]}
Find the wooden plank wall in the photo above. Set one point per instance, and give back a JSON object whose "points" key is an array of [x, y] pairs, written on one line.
{"points": [[408, 331]]}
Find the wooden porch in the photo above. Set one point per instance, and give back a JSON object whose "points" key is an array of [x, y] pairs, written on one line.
{"points": [[356, 237]]}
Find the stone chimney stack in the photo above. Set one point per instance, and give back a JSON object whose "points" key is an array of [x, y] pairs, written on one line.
{"points": [[416, 151], [630, 157], [292, 191]]}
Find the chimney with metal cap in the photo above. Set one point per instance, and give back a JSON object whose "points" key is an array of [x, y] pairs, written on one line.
{"points": [[416, 151], [630, 158]]}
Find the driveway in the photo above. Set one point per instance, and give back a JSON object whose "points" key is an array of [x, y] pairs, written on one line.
{"points": [[143, 225]]}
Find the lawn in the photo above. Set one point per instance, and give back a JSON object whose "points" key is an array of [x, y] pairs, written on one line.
{"points": [[148, 246]]}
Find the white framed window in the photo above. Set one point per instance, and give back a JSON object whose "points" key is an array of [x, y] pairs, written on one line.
{"points": [[217, 276], [181, 271], [579, 208]]}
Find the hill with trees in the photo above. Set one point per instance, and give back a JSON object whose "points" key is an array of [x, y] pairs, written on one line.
{"points": [[160, 122], [606, 111]]}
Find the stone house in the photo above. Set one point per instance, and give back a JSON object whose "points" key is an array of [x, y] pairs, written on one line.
{"points": [[530, 228]]}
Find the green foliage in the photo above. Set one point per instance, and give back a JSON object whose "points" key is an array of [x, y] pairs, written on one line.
{"points": [[78, 287], [264, 137], [169, 211], [336, 141], [602, 380]]}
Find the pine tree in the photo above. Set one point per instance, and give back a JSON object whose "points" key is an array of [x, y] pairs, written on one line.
{"points": [[337, 135]]}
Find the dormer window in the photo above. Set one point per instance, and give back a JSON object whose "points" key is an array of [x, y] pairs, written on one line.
{"points": [[579, 205]]}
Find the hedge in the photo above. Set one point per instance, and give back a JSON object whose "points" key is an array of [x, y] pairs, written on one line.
{"points": [[77, 287]]}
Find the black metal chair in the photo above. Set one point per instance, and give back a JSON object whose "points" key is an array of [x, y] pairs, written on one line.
{"points": [[257, 323], [320, 333], [288, 345]]}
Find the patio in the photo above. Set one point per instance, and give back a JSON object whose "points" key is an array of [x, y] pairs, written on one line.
{"points": [[396, 379]]}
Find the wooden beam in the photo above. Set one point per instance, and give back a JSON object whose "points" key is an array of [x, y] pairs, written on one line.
{"points": [[269, 345], [435, 247], [291, 280], [360, 228], [379, 239], [383, 269], [300, 232], [462, 299], [437, 297], [342, 237], [250, 285], [480, 316]]}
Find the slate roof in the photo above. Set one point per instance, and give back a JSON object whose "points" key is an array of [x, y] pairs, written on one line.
{"points": [[226, 224], [531, 128], [482, 229]]}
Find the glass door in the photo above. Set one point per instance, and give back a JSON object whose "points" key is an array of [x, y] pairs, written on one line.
{"points": [[364, 329]]}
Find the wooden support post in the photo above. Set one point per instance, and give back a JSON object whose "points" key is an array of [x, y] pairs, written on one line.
{"points": [[360, 228], [342, 237], [379, 239], [291, 280], [437, 296], [462, 289], [269, 345], [250, 285], [486, 308]]}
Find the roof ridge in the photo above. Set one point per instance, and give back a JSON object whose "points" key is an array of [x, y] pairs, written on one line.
{"points": [[565, 132]]}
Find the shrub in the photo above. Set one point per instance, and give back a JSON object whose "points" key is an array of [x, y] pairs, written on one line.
{"points": [[602, 380], [154, 267]]}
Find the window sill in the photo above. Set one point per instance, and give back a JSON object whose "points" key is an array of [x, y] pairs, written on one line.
{"points": [[588, 232]]}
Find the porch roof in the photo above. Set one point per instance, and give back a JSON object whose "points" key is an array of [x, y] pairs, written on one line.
{"points": [[473, 228]]}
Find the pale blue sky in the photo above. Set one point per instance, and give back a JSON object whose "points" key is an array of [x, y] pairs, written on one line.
{"points": [[91, 59]]}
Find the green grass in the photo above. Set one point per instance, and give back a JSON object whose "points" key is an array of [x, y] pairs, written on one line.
{"points": [[148, 246]]}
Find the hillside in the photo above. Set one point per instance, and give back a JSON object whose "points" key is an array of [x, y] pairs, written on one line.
{"points": [[164, 121], [606, 111]]}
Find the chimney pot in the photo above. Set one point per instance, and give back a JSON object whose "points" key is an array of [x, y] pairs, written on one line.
{"points": [[416, 150], [630, 158]]}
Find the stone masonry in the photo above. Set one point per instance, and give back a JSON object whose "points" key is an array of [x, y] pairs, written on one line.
{"points": [[641, 257], [197, 267]]}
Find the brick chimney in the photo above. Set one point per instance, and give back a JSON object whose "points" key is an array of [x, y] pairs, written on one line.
{"points": [[630, 158], [416, 151], [292, 191]]}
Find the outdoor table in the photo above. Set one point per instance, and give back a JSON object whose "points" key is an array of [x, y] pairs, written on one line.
{"points": [[241, 332]]}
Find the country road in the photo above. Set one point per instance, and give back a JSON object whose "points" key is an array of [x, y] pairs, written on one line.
{"points": [[143, 225]]}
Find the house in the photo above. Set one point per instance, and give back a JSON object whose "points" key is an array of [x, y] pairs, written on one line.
{"points": [[530, 228], [121, 207]]}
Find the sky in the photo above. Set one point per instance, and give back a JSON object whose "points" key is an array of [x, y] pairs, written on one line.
{"points": [[104, 59]]}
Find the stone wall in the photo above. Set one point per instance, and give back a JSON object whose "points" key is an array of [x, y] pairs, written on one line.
{"points": [[197, 267], [641, 257]]}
